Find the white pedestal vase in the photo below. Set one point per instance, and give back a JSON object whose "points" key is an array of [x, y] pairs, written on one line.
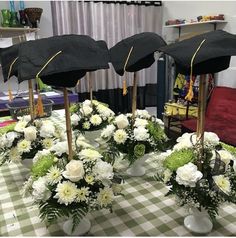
{"points": [[82, 228], [91, 136], [198, 222], [137, 168], [27, 163]]}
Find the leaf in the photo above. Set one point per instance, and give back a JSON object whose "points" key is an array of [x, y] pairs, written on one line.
{"points": [[77, 215]]}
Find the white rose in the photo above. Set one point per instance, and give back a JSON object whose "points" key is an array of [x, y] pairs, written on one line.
{"points": [[60, 148], [141, 133], [96, 120], [121, 121], [74, 171], [47, 129], [188, 175], [40, 190], [120, 136], [20, 126], [140, 122], [108, 131], [86, 110], [30, 133], [75, 119], [103, 170]]}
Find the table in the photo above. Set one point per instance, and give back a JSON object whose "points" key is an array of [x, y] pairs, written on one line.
{"points": [[143, 211]]}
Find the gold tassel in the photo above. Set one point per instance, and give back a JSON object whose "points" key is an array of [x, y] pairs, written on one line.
{"points": [[125, 91], [189, 95], [40, 110]]}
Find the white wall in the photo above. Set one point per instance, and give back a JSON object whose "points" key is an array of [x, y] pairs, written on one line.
{"points": [[45, 31], [190, 10]]}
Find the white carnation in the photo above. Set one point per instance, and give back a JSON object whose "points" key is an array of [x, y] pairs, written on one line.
{"points": [[87, 103], [108, 131], [47, 129], [120, 136], [40, 190], [75, 119], [121, 121], [142, 114], [30, 133], [140, 122], [74, 171], [103, 171], [105, 111], [86, 110], [141, 133], [211, 139], [60, 148], [188, 175], [9, 138], [96, 120]]}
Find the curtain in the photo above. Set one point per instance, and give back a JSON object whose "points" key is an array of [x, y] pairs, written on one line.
{"points": [[111, 22]]}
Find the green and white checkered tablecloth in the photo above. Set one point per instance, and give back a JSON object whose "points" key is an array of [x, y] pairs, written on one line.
{"points": [[143, 211]]}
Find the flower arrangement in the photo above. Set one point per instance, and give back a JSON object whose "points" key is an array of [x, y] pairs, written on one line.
{"points": [[135, 136], [202, 184], [90, 116], [64, 188], [24, 139]]}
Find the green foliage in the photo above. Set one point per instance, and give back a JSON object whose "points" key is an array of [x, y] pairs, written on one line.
{"points": [[139, 150], [7, 128], [73, 108], [229, 148], [42, 165], [179, 158]]}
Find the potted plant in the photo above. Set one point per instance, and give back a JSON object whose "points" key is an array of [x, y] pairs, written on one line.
{"points": [[202, 187], [72, 188], [135, 138]]}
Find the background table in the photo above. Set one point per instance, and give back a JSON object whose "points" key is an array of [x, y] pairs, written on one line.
{"points": [[143, 211]]}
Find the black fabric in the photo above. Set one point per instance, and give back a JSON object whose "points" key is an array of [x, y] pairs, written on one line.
{"points": [[213, 56], [146, 97], [142, 56]]}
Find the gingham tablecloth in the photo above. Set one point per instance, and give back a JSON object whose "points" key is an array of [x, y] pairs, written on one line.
{"points": [[143, 211]]}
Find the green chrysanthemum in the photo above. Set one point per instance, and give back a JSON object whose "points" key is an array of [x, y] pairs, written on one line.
{"points": [[139, 150], [42, 165], [156, 131], [73, 108], [7, 128], [179, 158]]}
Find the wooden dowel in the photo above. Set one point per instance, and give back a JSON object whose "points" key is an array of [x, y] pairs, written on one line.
{"points": [[134, 96], [31, 99], [90, 87], [68, 123]]}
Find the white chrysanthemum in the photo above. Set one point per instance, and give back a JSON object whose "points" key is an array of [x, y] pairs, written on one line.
{"points": [[24, 146], [121, 121], [188, 175], [47, 143], [90, 154], [105, 197], [82, 194], [103, 170], [108, 131], [86, 110], [86, 125], [75, 119], [96, 120], [47, 129], [223, 183], [41, 154], [89, 179], [66, 192], [8, 138], [20, 126], [54, 175], [140, 122], [141, 133], [40, 190], [60, 148], [30, 133], [15, 155], [142, 114], [74, 171], [120, 136]]}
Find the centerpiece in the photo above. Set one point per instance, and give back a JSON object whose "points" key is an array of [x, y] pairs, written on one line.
{"points": [[72, 188], [24, 139], [135, 138], [89, 117], [201, 186]]}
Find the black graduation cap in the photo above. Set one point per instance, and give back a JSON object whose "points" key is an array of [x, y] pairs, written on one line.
{"points": [[142, 56], [61, 60], [213, 56]]}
